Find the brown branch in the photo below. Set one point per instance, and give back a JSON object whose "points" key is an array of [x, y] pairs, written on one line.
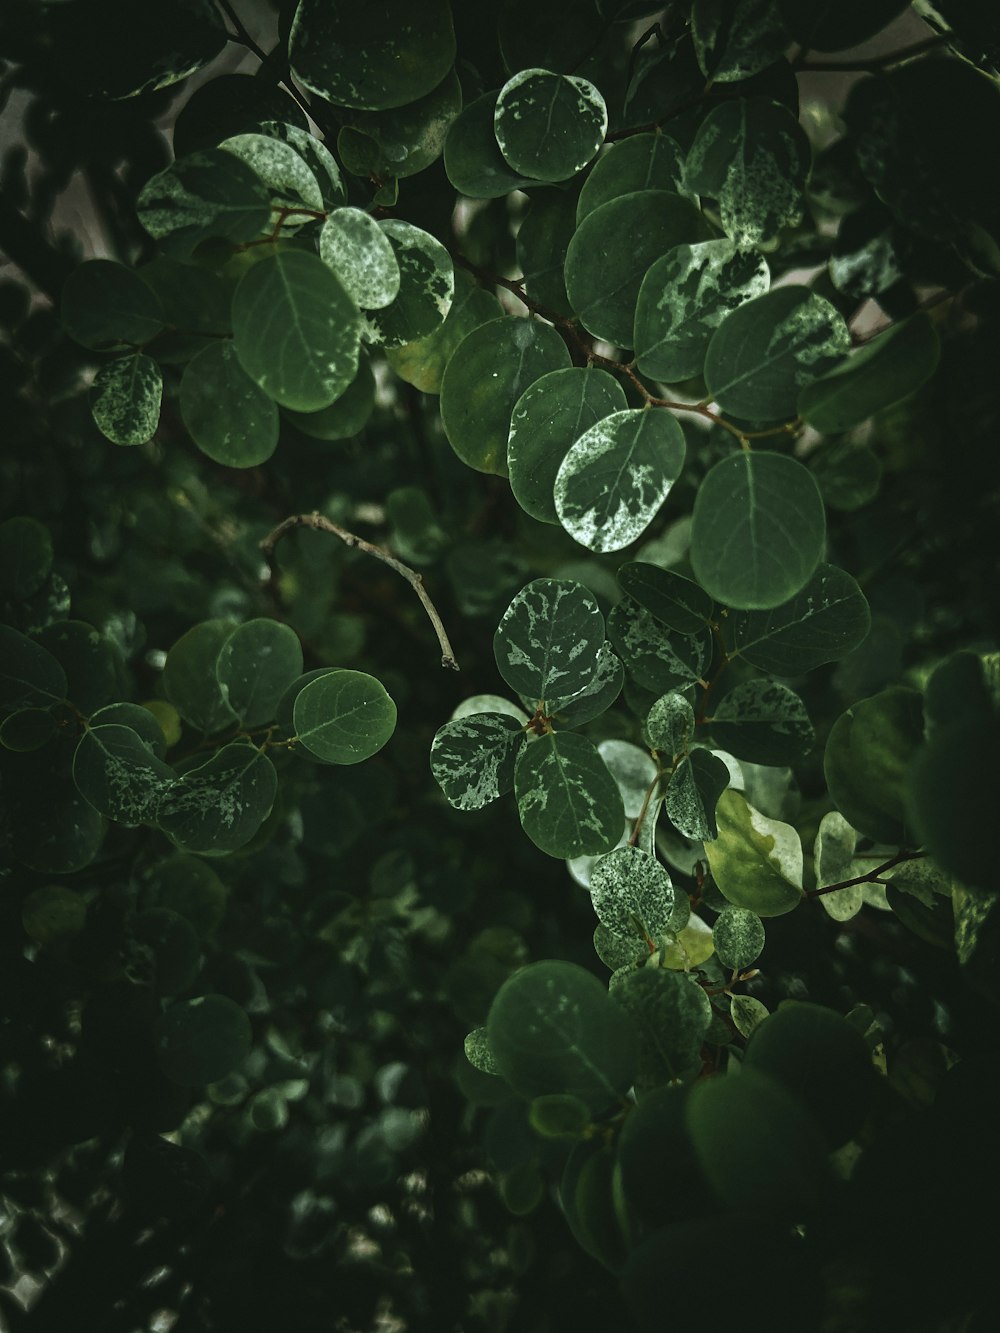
{"points": [[637, 829], [321, 524], [871, 877]]}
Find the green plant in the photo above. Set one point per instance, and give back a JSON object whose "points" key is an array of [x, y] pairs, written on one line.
{"points": [[662, 380]]}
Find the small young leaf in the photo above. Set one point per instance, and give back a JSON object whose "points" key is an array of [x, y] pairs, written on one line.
{"points": [[739, 938], [633, 895], [747, 1013], [125, 399], [693, 794], [670, 725]]}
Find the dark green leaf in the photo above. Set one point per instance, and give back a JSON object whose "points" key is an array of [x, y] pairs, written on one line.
{"points": [[426, 288], [672, 1014], [684, 298], [758, 530], [549, 126], [344, 717], [603, 275], [30, 676], [554, 1029], [827, 620], [693, 794], [208, 194], [484, 379], [55, 831], [104, 303], [202, 1040], [568, 802], [195, 305], [951, 797], [295, 330], [756, 862], [119, 774], [613, 480], [403, 141], [229, 417], [472, 156], [53, 911], [764, 722], [189, 678], [219, 806], [422, 361], [837, 25], [669, 597], [125, 399], [598, 694], [547, 643], [472, 758], [848, 474], [384, 55], [735, 39], [256, 665], [346, 415], [559, 1115], [542, 241], [640, 162], [190, 887], [28, 729], [657, 658], [869, 756], [89, 659]]}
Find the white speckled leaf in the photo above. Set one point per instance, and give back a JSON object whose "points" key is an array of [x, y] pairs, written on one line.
{"points": [[220, 806], [693, 793], [316, 156], [735, 39], [229, 417], [549, 126], [655, 657], [125, 399], [472, 758], [739, 937], [632, 769], [755, 862], [211, 193], [547, 643], [289, 180], [598, 694], [634, 895], [825, 621], [684, 298], [295, 330], [746, 1013], [568, 802], [614, 479], [670, 725], [833, 856], [764, 722], [551, 414], [426, 288], [478, 1053], [753, 157], [359, 252], [118, 774]]}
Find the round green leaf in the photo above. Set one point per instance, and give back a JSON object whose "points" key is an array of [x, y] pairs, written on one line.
{"points": [[484, 379], [28, 729], [55, 831], [229, 417], [91, 662], [422, 361], [869, 761], [104, 303], [884, 370], [672, 1014], [386, 54], [30, 677], [171, 940], [951, 800], [633, 895], [613, 480], [828, 619], [684, 298], [640, 162], [554, 1029], [552, 413], [361, 255], [189, 678], [295, 330], [320, 161], [670, 725], [568, 803], [189, 886], [739, 937], [219, 806], [343, 717], [758, 530], [125, 399], [655, 657], [756, 862], [201, 1041], [472, 758], [426, 288], [597, 695], [848, 474], [558, 1115], [542, 241], [256, 665], [603, 275], [764, 722], [669, 597], [207, 194], [119, 774], [195, 303], [549, 126], [547, 642], [472, 157], [347, 415], [767, 350]]}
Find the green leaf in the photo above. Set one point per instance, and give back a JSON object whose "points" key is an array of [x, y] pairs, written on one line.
{"points": [[403, 141], [487, 374], [598, 694], [295, 330], [195, 307], [426, 288], [347, 415], [554, 1029], [118, 773], [28, 729], [735, 39], [219, 806], [229, 417], [632, 769], [257, 663], [693, 794], [91, 662], [739, 938], [55, 831], [822, 1060], [472, 158], [656, 658], [190, 887], [869, 756], [202, 1040], [472, 758], [848, 474], [189, 678], [837, 25], [747, 1013], [552, 413], [886, 369], [478, 1053], [613, 480], [361, 255], [763, 721], [288, 179], [640, 162], [549, 126], [833, 857], [950, 797], [668, 597], [344, 717], [387, 54], [30, 677], [541, 244], [684, 298], [758, 530], [765, 352], [568, 802], [603, 276], [670, 725], [828, 619], [672, 1014], [752, 157], [547, 642], [559, 1115], [125, 399], [25, 556], [633, 895], [207, 194], [756, 862], [104, 303], [316, 156], [422, 361]]}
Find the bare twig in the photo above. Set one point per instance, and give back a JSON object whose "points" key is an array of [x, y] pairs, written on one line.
{"points": [[871, 877], [321, 524]]}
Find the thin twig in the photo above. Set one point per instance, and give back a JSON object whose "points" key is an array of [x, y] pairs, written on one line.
{"points": [[637, 829], [871, 877], [321, 524]]}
